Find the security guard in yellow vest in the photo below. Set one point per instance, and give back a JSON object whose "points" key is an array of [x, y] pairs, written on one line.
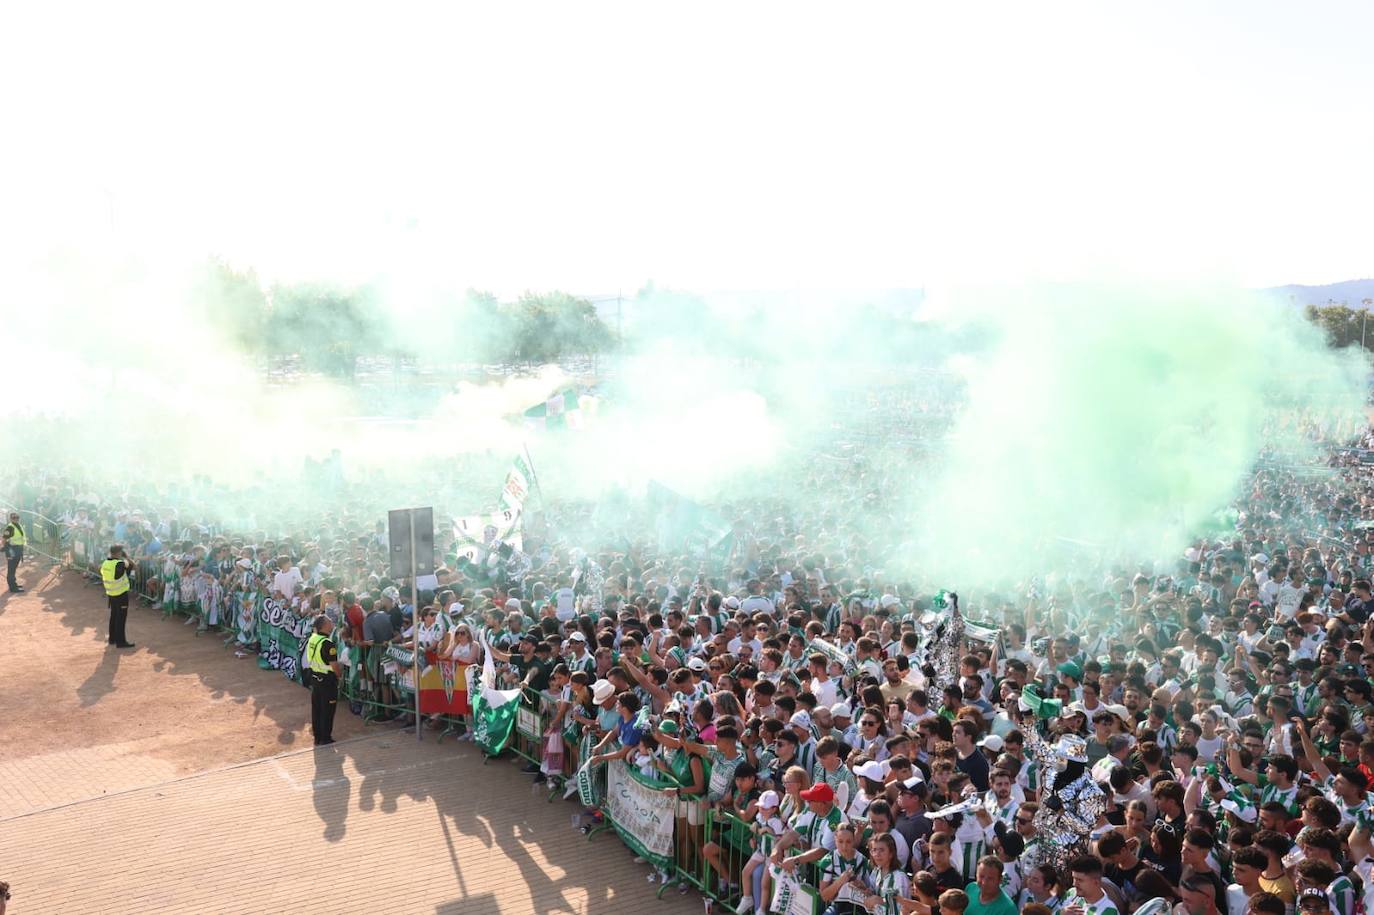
{"points": [[13, 540], [114, 575], [322, 667]]}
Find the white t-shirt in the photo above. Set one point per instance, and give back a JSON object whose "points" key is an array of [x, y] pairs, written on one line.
{"points": [[1289, 598], [1236, 900], [757, 604], [755, 644], [826, 693], [287, 582], [566, 603]]}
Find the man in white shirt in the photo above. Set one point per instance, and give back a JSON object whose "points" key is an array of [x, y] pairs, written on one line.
{"points": [[746, 637], [565, 600], [756, 602], [288, 578]]}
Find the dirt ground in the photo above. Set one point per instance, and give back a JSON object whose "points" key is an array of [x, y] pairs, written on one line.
{"points": [[117, 719], [194, 774]]}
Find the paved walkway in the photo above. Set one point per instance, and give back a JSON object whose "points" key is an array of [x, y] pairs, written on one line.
{"points": [[373, 824], [137, 783]]}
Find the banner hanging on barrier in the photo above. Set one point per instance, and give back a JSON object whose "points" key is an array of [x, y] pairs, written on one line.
{"points": [[280, 636], [790, 897], [641, 813]]}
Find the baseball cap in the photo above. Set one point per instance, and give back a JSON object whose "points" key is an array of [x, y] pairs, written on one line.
{"points": [[818, 792], [769, 799], [696, 664], [577, 637], [841, 710], [800, 720], [1009, 838], [913, 784], [1070, 669], [872, 770], [992, 742], [1314, 899]]}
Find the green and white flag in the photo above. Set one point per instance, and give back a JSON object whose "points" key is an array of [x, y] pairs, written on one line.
{"points": [[474, 534], [493, 710], [519, 482], [562, 410]]}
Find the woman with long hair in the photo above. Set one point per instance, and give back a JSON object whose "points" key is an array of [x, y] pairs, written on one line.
{"points": [[459, 647], [885, 877]]}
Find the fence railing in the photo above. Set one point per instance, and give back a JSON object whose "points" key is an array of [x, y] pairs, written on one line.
{"points": [[42, 535]]}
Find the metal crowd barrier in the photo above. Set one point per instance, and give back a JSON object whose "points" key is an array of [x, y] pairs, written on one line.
{"points": [[42, 535]]}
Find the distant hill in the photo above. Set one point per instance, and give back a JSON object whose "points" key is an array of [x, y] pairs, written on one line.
{"points": [[1348, 292]]}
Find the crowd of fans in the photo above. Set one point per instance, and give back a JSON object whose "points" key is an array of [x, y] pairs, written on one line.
{"points": [[1221, 703]]}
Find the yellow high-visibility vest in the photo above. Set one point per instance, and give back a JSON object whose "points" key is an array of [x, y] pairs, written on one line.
{"points": [[114, 586], [314, 654], [16, 534]]}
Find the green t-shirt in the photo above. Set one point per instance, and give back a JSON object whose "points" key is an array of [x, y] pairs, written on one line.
{"points": [[1002, 905]]}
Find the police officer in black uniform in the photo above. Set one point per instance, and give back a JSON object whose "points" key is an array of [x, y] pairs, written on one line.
{"points": [[322, 667]]}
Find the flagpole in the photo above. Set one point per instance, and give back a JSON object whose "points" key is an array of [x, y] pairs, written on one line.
{"points": [[525, 448], [415, 626], [543, 509]]}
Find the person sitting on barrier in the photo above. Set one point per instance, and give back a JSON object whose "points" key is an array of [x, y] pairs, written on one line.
{"points": [[765, 828], [811, 831]]}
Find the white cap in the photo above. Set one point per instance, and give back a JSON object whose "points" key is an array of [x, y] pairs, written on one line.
{"points": [[992, 742], [768, 800], [732, 603], [912, 782], [800, 720], [871, 770], [696, 664], [577, 637], [841, 710]]}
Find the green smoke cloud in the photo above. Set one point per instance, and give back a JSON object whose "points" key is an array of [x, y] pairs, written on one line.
{"points": [[1117, 421]]}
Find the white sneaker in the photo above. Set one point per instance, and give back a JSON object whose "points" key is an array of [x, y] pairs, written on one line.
{"points": [[746, 905]]}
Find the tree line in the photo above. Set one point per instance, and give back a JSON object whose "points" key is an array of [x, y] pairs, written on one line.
{"points": [[329, 327], [1344, 326]]}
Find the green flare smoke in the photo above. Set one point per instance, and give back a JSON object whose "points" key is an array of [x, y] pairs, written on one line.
{"points": [[1117, 423]]}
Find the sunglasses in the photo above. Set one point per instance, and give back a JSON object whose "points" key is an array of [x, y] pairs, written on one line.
{"points": [[1023, 821], [1165, 827], [869, 723]]}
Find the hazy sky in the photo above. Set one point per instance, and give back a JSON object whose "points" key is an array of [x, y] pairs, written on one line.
{"points": [[594, 146]]}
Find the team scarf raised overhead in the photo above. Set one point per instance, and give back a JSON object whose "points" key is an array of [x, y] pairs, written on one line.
{"points": [[832, 652], [493, 710]]}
